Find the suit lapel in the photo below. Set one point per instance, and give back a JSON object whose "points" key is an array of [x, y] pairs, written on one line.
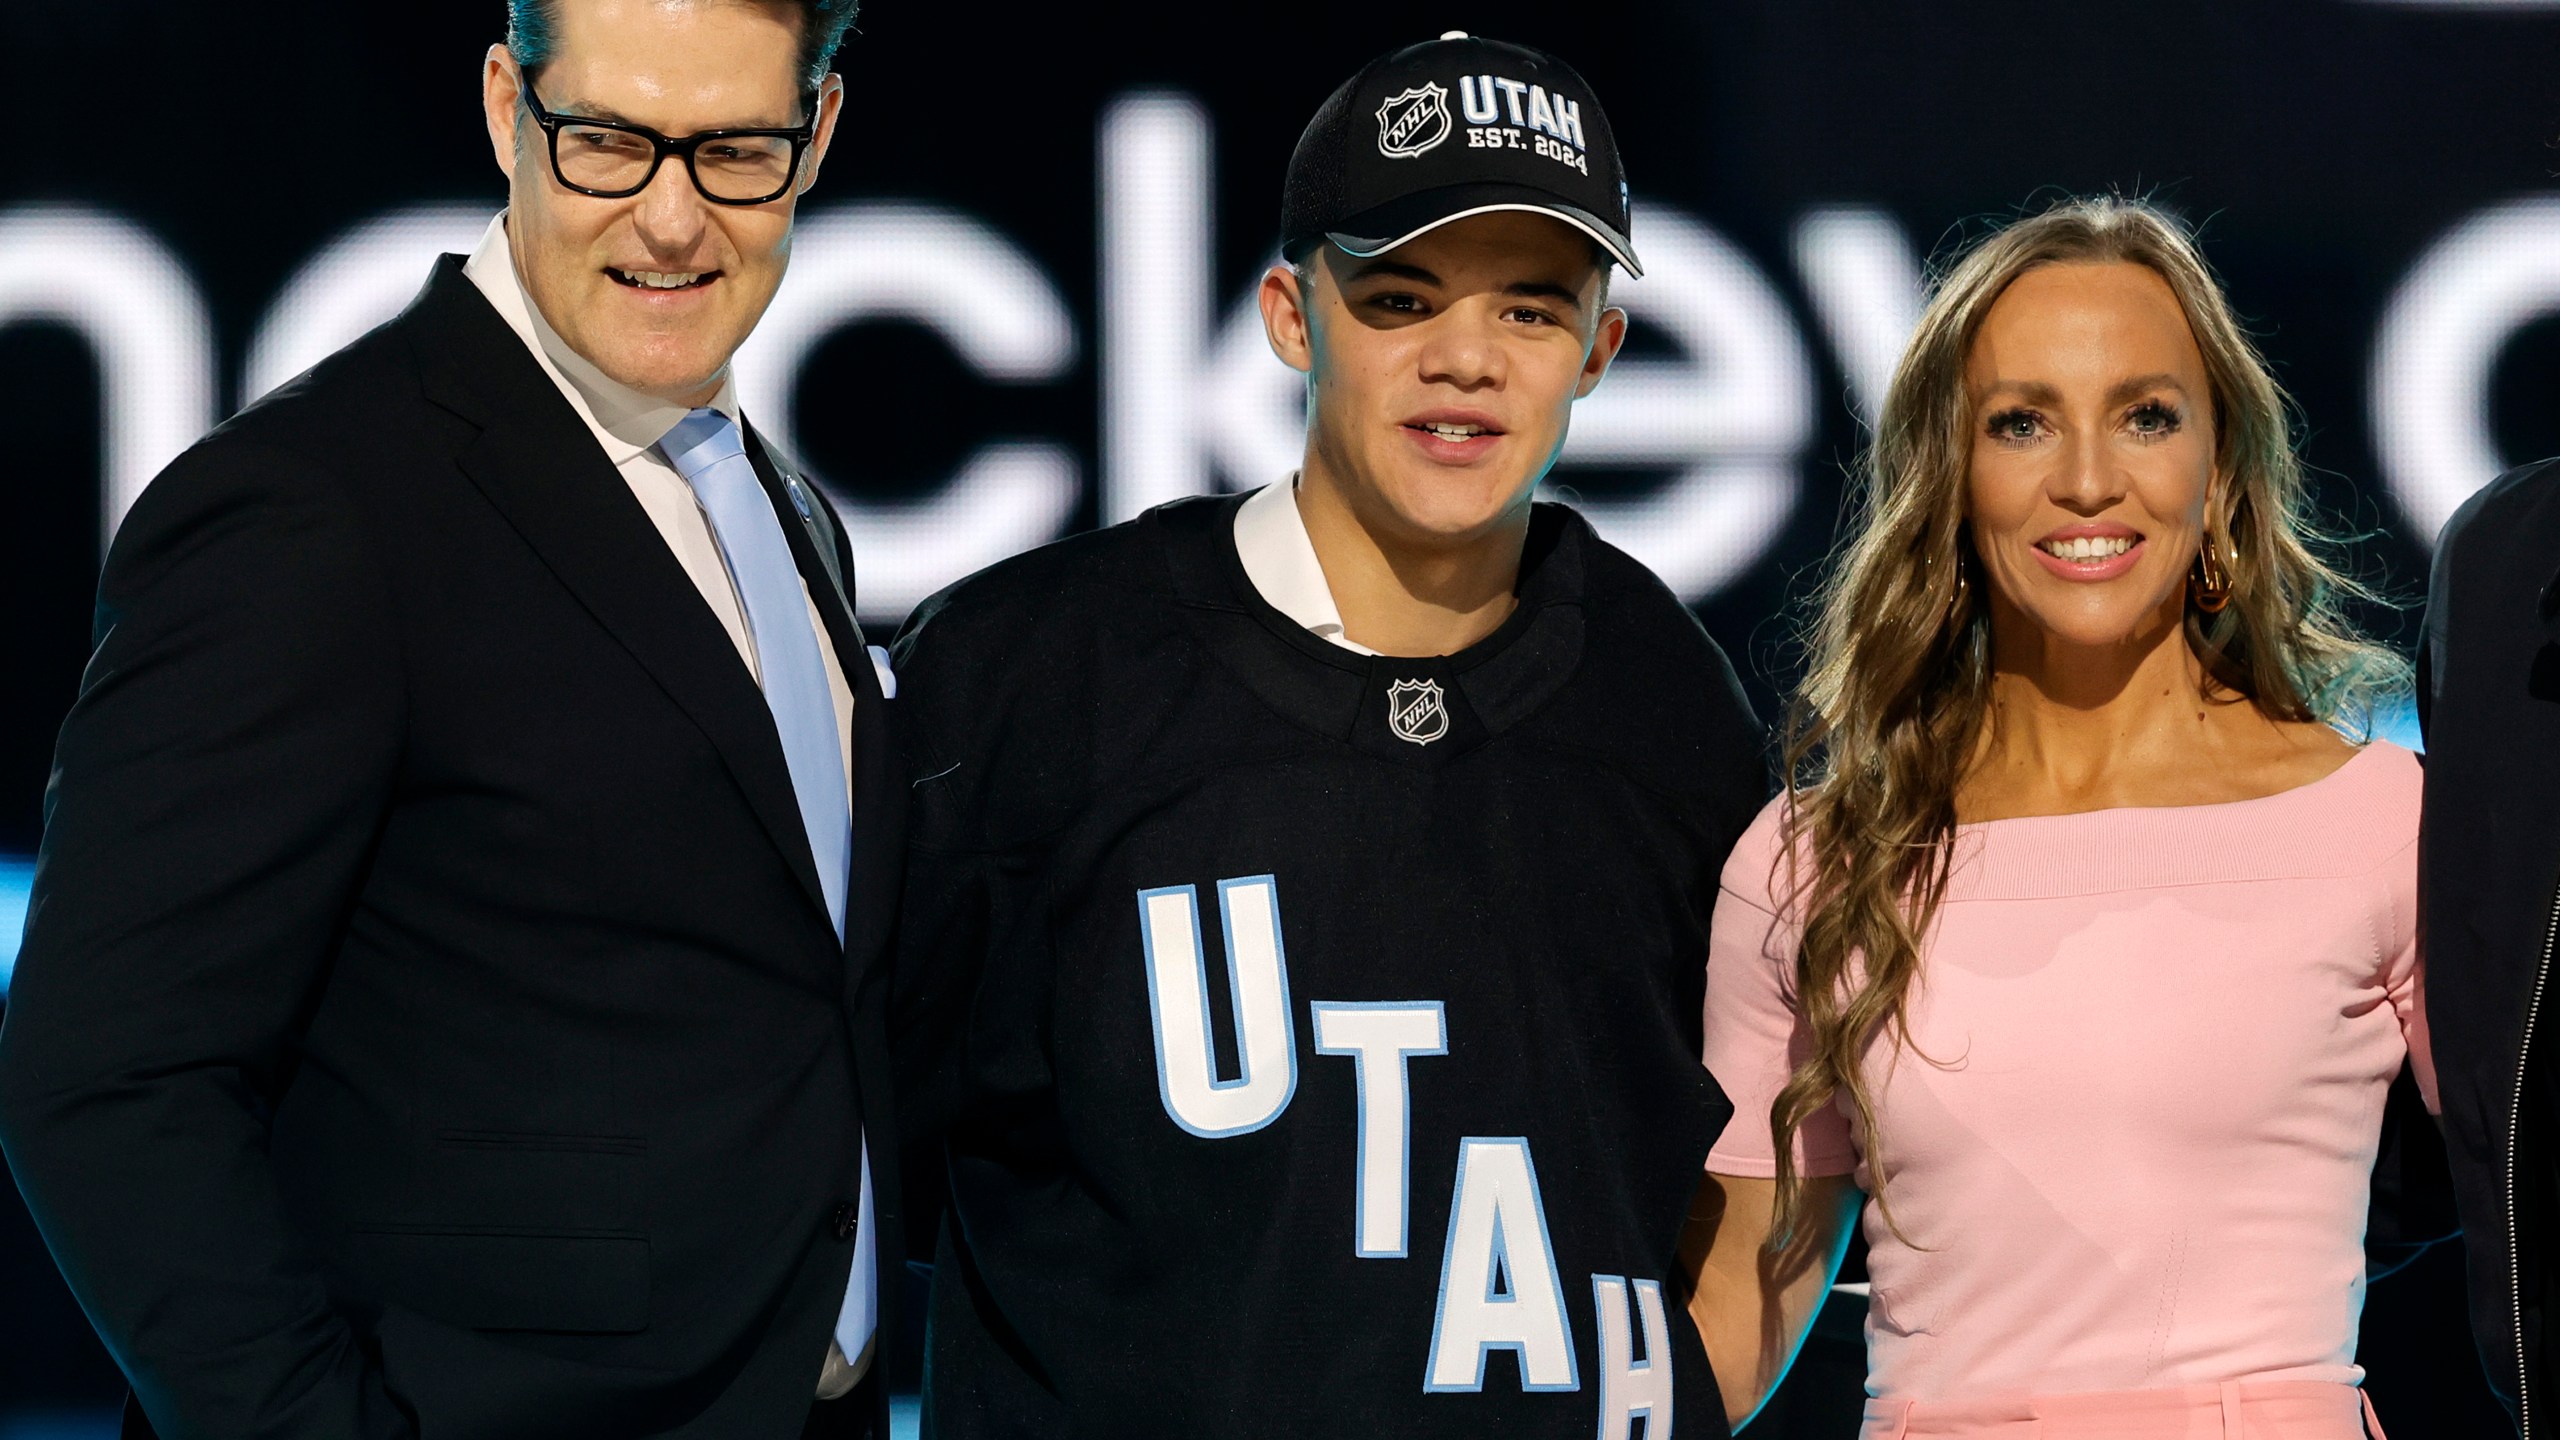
{"points": [[879, 808], [542, 470], [795, 501]]}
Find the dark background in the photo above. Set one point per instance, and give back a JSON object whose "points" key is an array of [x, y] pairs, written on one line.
{"points": [[2325, 148]]}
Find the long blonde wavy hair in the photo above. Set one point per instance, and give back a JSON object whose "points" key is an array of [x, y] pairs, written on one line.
{"points": [[1893, 704]]}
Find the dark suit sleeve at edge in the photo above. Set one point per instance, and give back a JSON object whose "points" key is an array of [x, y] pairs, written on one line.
{"points": [[2429, 677], [215, 794], [939, 947], [2410, 1205]]}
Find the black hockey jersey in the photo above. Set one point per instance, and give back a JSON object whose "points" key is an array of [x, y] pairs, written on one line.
{"points": [[1316, 1036]]}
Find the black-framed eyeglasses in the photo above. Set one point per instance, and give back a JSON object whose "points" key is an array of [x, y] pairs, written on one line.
{"points": [[612, 160]]}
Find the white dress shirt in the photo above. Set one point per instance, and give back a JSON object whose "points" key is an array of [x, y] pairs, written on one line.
{"points": [[628, 426], [1280, 559]]}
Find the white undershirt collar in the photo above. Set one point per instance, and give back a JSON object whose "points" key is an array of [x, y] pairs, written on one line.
{"points": [[1280, 559]]}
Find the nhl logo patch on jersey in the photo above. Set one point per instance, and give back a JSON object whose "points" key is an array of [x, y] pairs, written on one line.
{"points": [[1416, 712], [1411, 122]]}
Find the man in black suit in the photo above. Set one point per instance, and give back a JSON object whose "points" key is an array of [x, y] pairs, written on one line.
{"points": [[448, 1005], [2489, 691]]}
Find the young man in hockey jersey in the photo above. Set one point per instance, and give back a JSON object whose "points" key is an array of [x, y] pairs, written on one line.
{"points": [[1305, 935]]}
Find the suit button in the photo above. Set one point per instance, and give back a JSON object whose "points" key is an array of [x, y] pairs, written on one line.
{"points": [[846, 1220]]}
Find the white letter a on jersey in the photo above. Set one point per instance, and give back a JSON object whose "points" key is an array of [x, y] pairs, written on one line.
{"points": [[1498, 1285]]}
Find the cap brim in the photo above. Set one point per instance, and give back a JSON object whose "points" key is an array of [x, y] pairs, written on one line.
{"points": [[1399, 223]]}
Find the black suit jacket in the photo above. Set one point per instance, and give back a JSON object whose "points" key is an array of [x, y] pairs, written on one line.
{"points": [[2489, 861], [428, 1019]]}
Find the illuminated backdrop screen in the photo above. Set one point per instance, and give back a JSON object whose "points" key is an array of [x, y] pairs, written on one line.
{"points": [[1019, 302]]}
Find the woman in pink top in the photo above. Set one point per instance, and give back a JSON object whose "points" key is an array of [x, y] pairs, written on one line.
{"points": [[2083, 953]]}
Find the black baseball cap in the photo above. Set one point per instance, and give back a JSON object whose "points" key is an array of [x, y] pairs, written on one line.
{"points": [[1450, 128]]}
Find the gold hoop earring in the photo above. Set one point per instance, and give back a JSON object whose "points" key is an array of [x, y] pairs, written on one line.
{"points": [[2210, 586]]}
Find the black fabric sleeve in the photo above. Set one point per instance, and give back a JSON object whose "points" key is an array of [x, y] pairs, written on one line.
{"points": [[944, 909], [215, 793], [2410, 1203], [938, 955], [2430, 676]]}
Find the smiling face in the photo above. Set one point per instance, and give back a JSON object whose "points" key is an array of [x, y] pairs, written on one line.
{"points": [[1444, 372], [657, 289], [2093, 454]]}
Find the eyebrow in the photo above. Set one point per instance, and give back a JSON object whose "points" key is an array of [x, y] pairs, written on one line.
{"points": [[569, 107], [2124, 390], [1394, 270], [1544, 290], [2038, 392], [576, 110], [2034, 392], [1525, 289]]}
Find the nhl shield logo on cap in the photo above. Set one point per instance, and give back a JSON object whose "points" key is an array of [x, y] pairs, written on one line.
{"points": [[1411, 122], [1415, 711]]}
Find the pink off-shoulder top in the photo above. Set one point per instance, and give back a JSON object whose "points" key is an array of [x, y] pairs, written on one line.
{"points": [[2130, 1142]]}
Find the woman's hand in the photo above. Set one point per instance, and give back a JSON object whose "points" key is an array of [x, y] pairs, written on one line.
{"points": [[1752, 1304]]}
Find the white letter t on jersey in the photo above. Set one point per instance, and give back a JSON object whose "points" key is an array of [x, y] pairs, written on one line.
{"points": [[1380, 1038]]}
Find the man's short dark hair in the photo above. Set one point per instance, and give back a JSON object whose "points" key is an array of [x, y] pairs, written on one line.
{"points": [[533, 28]]}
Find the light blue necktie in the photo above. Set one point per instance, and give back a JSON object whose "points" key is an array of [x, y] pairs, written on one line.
{"points": [[707, 450]]}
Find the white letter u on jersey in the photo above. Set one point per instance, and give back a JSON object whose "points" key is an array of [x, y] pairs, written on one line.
{"points": [[1178, 998]]}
